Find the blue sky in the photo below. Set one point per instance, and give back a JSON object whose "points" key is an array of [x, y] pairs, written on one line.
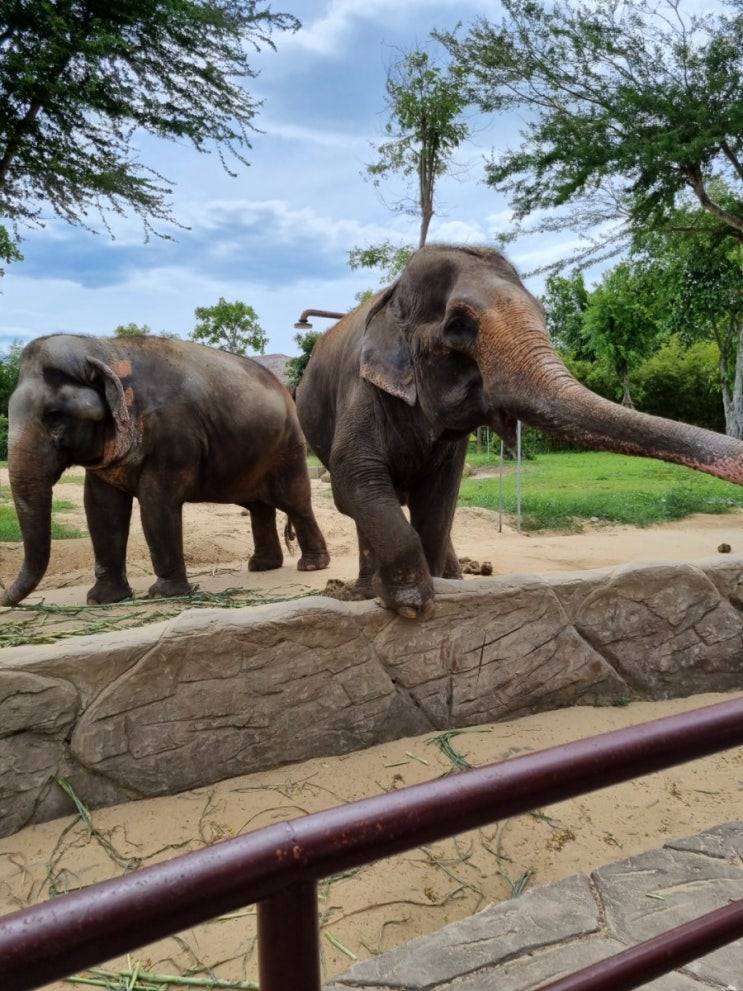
{"points": [[278, 235]]}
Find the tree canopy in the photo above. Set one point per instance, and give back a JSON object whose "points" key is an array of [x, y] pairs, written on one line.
{"points": [[295, 367], [425, 127], [698, 285], [230, 327], [82, 80], [629, 107]]}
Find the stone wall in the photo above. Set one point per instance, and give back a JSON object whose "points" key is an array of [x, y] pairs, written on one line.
{"points": [[219, 692]]}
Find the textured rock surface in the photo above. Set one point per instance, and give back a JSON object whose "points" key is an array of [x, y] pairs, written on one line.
{"points": [[214, 693], [551, 932]]}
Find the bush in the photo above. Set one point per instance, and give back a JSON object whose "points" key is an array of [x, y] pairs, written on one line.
{"points": [[682, 383]]}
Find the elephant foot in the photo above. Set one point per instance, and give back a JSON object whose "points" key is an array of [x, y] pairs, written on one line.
{"points": [[260, 562], [313, 562], [103, 593], [411, 601], [168, 588]]}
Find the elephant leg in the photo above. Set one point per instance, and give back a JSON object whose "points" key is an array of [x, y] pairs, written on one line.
{"points": [[109, 513], [367, 567], [401, 578], [432, 502], [267, 553], [295, 499], [162, 522]]}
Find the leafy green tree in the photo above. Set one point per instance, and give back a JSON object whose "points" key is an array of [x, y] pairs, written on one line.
{"points": [[10, 366], [8, 249], [132, 330], [620, 325], [80, 80], [698, 279], [681, 381], [565, 302], [425, 127], [629, 110], [426, 102], [229, 327], [391, 259], [295, 367]]}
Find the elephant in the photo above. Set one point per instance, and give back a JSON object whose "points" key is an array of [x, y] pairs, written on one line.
{"points": [[166, 421], [393, 390]]}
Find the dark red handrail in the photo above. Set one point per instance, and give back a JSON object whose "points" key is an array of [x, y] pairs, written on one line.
{"points": [[278, 866]]}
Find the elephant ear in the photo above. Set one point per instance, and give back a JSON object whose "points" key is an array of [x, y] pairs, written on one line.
{"points": [[386, 361], [124, 435]]}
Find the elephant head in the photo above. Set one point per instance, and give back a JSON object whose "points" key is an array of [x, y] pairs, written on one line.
{"points": [[460, 336], [69, 407]]}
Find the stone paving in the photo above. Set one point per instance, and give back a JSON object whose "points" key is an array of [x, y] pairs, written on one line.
{"points": [[549, 932]]}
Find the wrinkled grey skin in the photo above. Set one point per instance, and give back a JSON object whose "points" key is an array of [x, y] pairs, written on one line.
{"points": [[392, 392], [167, 422]]}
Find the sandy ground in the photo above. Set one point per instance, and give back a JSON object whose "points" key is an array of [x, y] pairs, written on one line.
{"points": [[381, 906], [217, 544]]}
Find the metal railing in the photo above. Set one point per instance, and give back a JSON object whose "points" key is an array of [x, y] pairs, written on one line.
{"points": [[278, 866]]}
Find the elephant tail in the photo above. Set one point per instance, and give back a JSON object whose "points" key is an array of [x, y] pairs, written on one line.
{"points": [[289, 537]]}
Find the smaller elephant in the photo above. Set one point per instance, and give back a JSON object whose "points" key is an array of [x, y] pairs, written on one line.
{"points": [[164, 421]]}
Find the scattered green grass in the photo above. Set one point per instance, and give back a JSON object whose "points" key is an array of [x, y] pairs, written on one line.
{"points": [[47, 623], [563, 491], [136, 979], [10, 531]]}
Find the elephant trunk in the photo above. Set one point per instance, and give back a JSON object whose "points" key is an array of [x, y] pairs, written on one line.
{"points": [[538, 389], [32, 478]]}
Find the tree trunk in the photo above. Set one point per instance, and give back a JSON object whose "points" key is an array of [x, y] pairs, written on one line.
{"points": [[733, 399], [624, 375]]}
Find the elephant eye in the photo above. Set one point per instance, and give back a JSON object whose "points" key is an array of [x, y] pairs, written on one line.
{"points": [[460, 330]]}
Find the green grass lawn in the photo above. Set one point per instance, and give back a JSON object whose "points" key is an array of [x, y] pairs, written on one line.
{"points": [[558, 491], [10, 531], [563, 491]]}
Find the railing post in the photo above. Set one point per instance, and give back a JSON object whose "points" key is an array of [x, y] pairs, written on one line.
{"points": [[289, 940]]}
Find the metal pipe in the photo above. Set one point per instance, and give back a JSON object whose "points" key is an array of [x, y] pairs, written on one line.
{"points": [[289, 940], [638, 965], [84, 928], [304, 324]]}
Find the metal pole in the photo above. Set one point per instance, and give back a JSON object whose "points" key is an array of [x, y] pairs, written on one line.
{"points": [[500, 491], [289, 940], [518, 476], [637, 965]]}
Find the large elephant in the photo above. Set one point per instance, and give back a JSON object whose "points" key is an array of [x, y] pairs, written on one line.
{"points": [[165, 421], [393, 390]]}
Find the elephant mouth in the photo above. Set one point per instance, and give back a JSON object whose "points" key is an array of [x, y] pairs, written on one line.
{"points": [[504, 424]]}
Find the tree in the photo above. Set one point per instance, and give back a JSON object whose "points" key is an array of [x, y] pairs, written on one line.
{"points": [[10, 367], [296, 366], [8, 249], [565, 302], [629, 108], [388, 257], [425, 102], [698, 275], [619, 323], [132, 330], [681, 381], [229, 327], [80, 80]]}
